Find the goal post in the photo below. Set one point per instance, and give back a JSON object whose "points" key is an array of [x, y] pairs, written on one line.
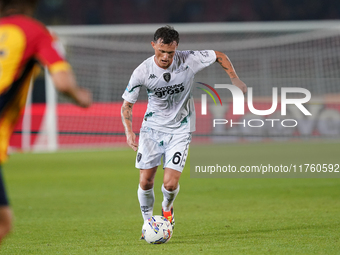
{"points": [[265, 55], [47, 139]]}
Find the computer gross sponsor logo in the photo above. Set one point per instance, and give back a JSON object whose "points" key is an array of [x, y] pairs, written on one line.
{"points": [[169, 90]]}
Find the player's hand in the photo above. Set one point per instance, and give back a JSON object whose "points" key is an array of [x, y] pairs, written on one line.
{"points": [[84, 98], [131, 140], [240, 84]]}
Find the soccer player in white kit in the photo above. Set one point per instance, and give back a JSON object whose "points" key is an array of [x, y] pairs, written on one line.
{"points": [[170, 116]]}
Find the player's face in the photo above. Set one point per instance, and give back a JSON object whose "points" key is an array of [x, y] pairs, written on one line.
{"points": [[164, 53]]}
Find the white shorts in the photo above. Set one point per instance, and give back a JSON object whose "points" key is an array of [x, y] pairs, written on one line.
{"points": [[154, 144]]}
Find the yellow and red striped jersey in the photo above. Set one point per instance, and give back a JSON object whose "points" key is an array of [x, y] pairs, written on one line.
{"points": [[23, 43]]}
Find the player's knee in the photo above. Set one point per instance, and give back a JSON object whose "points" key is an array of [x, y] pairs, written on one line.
{"points": [[146, 184], [170, 185]]}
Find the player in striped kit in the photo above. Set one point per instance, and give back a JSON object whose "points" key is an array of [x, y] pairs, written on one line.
{"points": [[170, 116], [24, 43]]}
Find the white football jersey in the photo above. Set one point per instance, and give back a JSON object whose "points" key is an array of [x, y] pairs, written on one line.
{"points": [[170, 102]]}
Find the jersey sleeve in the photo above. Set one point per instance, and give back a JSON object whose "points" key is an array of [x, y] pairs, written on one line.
{"points": [[49, 52], [198, 60], [131, 92]]}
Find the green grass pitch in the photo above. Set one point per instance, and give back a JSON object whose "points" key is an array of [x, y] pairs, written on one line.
{"points": [[86, 203]]}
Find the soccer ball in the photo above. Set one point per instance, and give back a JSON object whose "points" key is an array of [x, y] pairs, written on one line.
{"points": [[157, 230]]}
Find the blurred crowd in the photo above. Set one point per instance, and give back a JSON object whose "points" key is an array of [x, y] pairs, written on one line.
{"points": [[71, 12]]}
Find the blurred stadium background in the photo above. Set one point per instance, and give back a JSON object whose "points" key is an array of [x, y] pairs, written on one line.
{"points": [[83, 202], [271, 44], [76, 12]]}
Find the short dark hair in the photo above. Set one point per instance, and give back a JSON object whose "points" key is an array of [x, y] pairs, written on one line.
{"points": [[167, 34], [18, 4]]}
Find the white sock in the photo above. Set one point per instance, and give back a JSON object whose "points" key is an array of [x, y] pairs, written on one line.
{"points": [[168, 198], [146, 200]]}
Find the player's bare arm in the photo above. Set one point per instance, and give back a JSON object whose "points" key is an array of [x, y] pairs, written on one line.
{"points": [[65, 82], [226, 64], [126, 113]]}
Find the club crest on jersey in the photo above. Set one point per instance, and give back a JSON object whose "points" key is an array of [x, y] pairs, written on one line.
{"points": [[167, 77]]}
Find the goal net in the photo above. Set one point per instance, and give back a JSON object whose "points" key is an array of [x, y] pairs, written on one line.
{"points": [[265, 56]]}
